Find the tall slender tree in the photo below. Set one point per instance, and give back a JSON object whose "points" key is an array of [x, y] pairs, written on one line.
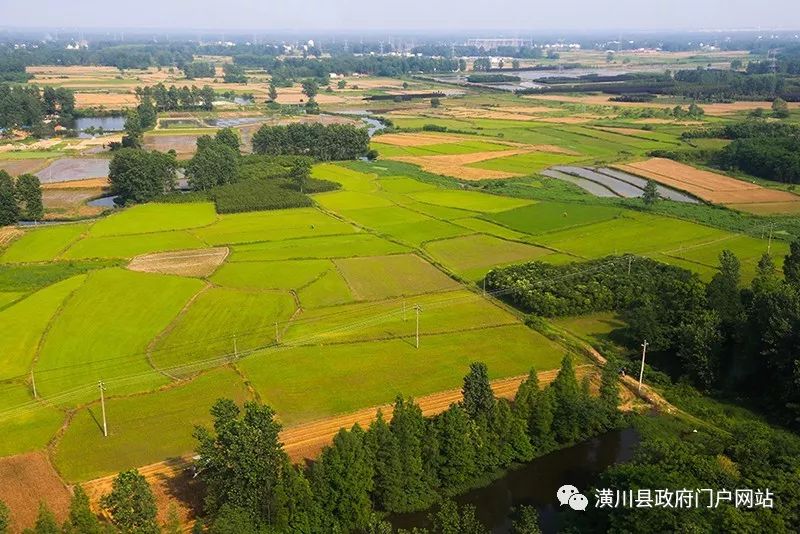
{"points": [[131, 504], [9, 210], [29, 196], [477, 392]]}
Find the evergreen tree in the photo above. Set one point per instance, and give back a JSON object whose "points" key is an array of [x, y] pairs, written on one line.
{"points": [[457, 454], [133, 130], [449, 519], [383, 444], [45, 521], [29, 195], [5, 518], [700, 346], [527, 521], [242, 461], [511, 431], [131, 504], [9, 211], [723, 290], [408, 428], [478, 396], [302, 511], [609, 395], [342, 480], [228, 137], [566, 397], [148, 116], [81, 519], [791, 264], [273, 92], [650, 195]]}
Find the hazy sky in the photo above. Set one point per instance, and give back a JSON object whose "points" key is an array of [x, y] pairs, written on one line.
{"points": [[443, 15]]}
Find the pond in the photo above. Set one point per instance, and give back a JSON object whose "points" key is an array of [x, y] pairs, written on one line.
{"points": [[233, 121], [107, 124], [103, 202], [180, 123], [536, 483]]}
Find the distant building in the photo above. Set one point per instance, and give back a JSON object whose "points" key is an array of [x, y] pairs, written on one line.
{"points": [[493, 44]]}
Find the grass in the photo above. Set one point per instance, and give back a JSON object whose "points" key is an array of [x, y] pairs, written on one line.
{"points": [[594, 327], [147, 218], [95, 337], [550, 216], [170, 415], [8, 297], [464, 147], [378, 218], [328, 290], [25, 278], [419, 232], [338, 246], [351, 180], [128, 246], [207, 328], [312, 382], [274, 225], [403, 184], [344, 200], [486, 227], [382, 277], [450, 311], [43, 244], [470, 200], [31, 427], [25, 322], [473, 255], [292, 274]]}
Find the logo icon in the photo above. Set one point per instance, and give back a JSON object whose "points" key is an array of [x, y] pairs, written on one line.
{"points": [[569, 495]]}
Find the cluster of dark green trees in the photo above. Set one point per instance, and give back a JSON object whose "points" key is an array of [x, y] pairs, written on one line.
{"points": [[321, 142], [769, 150], [138, 175], [20, 199], [492, 78], [408, 463], [110, 53], [199, 69], [27, 106], [724, 337], [233, 73], [178, 98]]}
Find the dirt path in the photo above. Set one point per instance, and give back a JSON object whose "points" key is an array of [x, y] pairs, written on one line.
{"points": [[172, 482]]}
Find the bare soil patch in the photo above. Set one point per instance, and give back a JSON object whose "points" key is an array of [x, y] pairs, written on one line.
{"points": [[202, 262], [26, 480], [91, 183], [9, 234], [568, 120], [15, 167], [455, 165], [181, 144], [418, 139], [106, 100], [294, 95], [708, 185], [65, 202]]}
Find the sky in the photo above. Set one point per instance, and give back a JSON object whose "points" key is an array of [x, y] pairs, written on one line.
{"points": [[431, 15]]}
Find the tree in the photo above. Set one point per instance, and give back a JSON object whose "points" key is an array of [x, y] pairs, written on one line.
{"points": [[566, 396], [133, 130], [140, 176], [695, 110], [609, 395], [242, 463], [449, 519], [780, 110], [310, 88], [273, 92], [131, 504], [300, 172], [535, 408], [312, 108], [229, 137], [148, 116], [456, 466], [514, 63], [341, 84], [29, 195], [233, 73], [511, 432], [9, 210], [207, 97], [699, 347], [650, 195], [527, 521], [791, 264], [234, 520], [736, 64], [342, 479], [478, 396], [462, 65], [408, 428], [81, 519], [435, 102], [5, 518], [213, 165], [45, 521], [723, 290]]}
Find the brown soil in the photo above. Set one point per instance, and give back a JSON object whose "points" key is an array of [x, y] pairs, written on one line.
{"points": [[106, 100], [62, 202], [624, 131], [9, 234], [15, 167], [707, 185], [27, 480], [201, 262], [417, 139], [567, 120], [181, 144], [91, 183]]}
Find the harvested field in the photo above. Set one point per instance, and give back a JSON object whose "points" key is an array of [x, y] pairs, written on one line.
{"points": [[568, 120], [64, 202], [25, 481], [418, 139], [106, 100], [15, 167], [9, 234], [201, 263], [70, 169], [709, 185], [455, 165], [294, 95], [182, 144], [91, 183]]}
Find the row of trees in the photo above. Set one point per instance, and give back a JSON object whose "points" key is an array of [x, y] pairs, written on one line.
{"points": [[27, 106], [322, 142], [20, 199], [405, 464], [178, 98], [724, 337]]}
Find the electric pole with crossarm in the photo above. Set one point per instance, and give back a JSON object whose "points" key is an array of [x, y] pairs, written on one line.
{"points": [[103, 407], [418, 309], [641, 371]]}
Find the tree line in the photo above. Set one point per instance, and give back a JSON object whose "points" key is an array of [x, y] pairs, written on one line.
{"points": [[178, 98], [26, 107], [722, 336], [322, 142], [20, 199]]}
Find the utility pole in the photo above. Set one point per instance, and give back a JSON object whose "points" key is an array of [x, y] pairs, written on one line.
{"points": [[33, 384], [484, 286], [418, 309], [630, 260], [277, 333], [235, 348], [103, 406], [641, 371]]}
